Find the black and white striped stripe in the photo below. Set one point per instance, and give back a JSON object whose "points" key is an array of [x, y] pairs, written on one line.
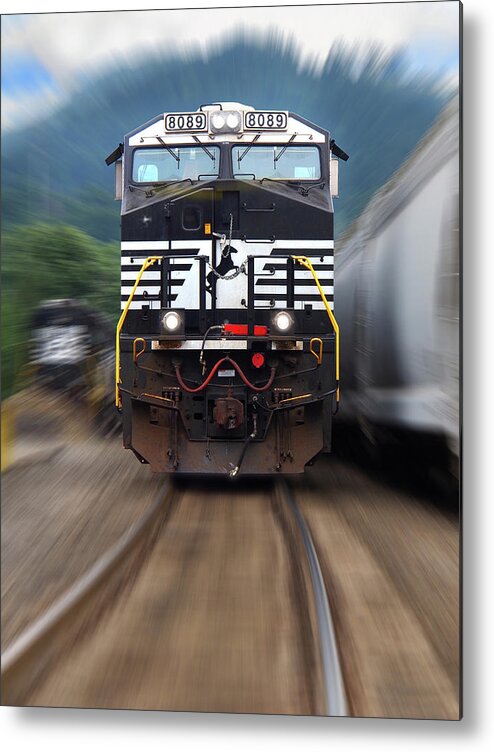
{"points": [[148, 291], [273, 287], [270, 275]]}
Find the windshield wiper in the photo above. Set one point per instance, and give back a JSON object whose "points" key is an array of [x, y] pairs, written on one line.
{"points": [[278, 156], [256, 137], [175, 156], [205, 149]]}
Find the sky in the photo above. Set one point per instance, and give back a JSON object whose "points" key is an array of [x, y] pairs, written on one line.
{"points": [[44, 55]]}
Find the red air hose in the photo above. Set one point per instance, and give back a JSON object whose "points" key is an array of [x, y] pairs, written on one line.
{"points": [[213, 371]]}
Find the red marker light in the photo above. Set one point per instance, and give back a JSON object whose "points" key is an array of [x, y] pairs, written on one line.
{"points": [[236, 328], [258, 360], [243, 329]]}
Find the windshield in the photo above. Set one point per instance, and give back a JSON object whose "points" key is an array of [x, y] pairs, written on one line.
{"points": [[277, 162], [158, 165]]}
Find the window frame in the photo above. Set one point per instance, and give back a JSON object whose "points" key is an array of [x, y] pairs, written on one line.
{"points": [[137, 149], [280, 145]]}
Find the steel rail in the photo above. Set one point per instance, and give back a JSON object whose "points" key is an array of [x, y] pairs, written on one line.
{"points": [[334, 687], [22, 660]]}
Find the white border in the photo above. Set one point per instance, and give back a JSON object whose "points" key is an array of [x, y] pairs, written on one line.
{"points": [[80, 730]]}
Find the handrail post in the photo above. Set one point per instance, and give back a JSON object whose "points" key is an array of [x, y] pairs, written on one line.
{"points": [[304, 261], [147, 263]]}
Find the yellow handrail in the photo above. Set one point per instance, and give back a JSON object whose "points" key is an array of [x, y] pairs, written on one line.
{"points": [[147, 263], [304, 261]]}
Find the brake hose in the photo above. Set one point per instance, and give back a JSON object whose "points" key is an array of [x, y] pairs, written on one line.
{"points": [[213, 371]]}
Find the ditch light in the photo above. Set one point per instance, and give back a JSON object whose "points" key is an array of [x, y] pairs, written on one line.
{"points": [[173, 322], [283, 322]]}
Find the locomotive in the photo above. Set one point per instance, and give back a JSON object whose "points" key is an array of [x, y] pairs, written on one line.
{"points": [[72, 353], [227, 348]]}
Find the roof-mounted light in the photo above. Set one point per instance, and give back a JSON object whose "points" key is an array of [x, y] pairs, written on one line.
{"points": [[217, 122], [233, 120], [225, 122]]}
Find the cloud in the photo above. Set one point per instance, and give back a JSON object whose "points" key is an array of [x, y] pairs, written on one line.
{"points": [[22, 73], [70, 45], [19, 110]]}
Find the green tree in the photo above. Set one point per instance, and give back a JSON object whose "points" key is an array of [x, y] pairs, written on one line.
{"points": [[42, 262]]}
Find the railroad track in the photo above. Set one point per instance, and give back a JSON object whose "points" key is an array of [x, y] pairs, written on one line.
{"points": [[41, 650], [334, 687]]}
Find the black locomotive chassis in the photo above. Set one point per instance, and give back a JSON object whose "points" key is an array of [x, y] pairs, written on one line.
{"points": [[175, 431]]}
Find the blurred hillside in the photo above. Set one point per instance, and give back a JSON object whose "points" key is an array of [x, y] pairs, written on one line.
{"points": [[44, 261], [60, 223], [54, 169]]}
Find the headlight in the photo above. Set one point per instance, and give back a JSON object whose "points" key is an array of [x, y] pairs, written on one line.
{"points": [[172, 322], [226, 122], [283, 321], [218, 122], [233, 121]]}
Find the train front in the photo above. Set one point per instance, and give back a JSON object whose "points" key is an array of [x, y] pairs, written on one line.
{"points": [[227, 347]]}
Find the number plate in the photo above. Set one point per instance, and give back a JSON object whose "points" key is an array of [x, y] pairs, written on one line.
{"points": [[178, 122], [265, 121], [226, 373]]}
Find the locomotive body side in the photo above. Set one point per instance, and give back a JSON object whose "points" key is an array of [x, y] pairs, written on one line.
{"points": [[227, 344], [398, 300]]}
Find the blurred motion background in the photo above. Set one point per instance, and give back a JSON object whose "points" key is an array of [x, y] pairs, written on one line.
{"points": [[73, 84], [384, 80]]}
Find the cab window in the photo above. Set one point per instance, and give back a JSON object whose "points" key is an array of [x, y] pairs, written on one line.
{"points": [[156, 165], [277, 162]]}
